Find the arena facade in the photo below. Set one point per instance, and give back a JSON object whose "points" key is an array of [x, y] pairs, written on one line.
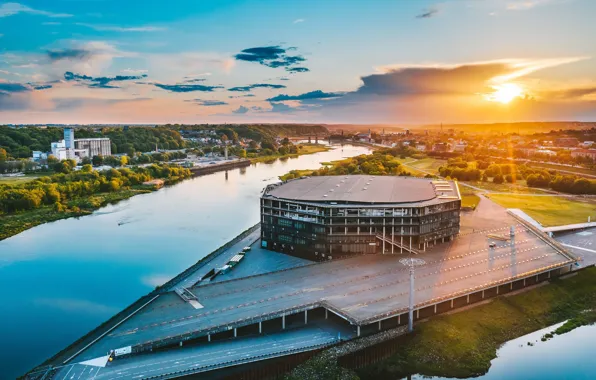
{"points": [[327, 217]]}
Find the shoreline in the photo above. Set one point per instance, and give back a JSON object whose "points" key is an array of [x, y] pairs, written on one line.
{"points": [[315, 148], [462, 344]]}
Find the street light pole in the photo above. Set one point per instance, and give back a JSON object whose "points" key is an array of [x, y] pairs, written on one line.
{"points": [[411, 263]]}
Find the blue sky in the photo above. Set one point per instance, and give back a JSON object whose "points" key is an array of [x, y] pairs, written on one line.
{"points": [[374, 61]]}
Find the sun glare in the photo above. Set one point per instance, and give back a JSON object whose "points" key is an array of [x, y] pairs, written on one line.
{"points": [[505, 93]]}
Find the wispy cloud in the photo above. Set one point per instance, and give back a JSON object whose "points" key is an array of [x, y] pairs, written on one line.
{"points": [[257, 85], [207, 103], [317, 94], [272, 56], [130, 71], [240, 110], [74, 54], [521, 5], [11, 9], [51, 23], [186, 87], [114, 28], [428, 13], [100, 82], [298, 21]]}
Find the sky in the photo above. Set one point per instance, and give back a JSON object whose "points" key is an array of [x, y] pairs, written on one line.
{"points": [[396, 62]]}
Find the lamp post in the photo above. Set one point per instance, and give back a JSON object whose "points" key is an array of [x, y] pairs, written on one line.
{"points": [[411, 263]]}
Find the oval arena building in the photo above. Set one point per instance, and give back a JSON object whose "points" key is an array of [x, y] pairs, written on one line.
{"points": [[326, 217]]}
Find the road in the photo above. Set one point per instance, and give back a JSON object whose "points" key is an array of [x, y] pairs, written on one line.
{"points": [[361, 288], [198, 358]]}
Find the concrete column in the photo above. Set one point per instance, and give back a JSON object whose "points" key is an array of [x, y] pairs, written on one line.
{"points": [[260, 327], [383, 236], [410, 239], [537, 278], [208, 337], [180, 343], [435, 308], [497, 289], [358, 330], [511, 286], [418, 314], [401, 247], [524, 282], [326, 311], [235, 333], [399, 319], [548, 274], [283, 322], [379, 325], [305, 317], [392, 234], [483, 294], [468, 298], [452, 304]]}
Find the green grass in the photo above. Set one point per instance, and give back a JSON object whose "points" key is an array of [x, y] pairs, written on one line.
{"points": [[470, 200], [18, 180], [13, 224], [549, 211], [463, 344], [519, 187], [576, 170], [306, 149]]}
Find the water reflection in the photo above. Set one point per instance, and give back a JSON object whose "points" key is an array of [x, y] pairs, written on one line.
{"points": [[61, 279]]}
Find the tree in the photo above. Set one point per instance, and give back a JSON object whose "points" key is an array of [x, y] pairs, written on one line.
{"points": [[123, 161], [3, 154], [87, 168], [62, 167], [97, 160], [242, 153], [86, 161], [52, 160], [498, 179]]}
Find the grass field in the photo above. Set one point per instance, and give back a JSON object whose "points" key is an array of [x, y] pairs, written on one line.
{"points": [[306, 149], [423, 166], [18, 180], [519, 187], [577, 170], [463, 344], [549, 211]]}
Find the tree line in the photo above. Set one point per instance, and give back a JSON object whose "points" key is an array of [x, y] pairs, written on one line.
{"points": [[58, 189]]}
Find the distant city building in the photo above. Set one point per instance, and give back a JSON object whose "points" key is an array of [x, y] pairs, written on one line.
{"points": [[546, 151], [94, 147], [588, 143], [440, 147], [71, 148], [327, 217], [591, 153], [567, 142], [39, 156], [421, 147], [460, 146]]}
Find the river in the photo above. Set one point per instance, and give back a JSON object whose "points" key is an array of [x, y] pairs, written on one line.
{"points": [[567, 356], [62, 279]]}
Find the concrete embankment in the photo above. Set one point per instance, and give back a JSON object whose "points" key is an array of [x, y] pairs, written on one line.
{"points": [[219, 166]]}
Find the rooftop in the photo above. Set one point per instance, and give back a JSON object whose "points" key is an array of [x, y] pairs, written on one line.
{"points": [[364, 189]]}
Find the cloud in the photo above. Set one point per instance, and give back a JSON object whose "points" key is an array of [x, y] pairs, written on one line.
{"points": [[570, 93], [240, 110], [271, 56], [51, 23], [207, 103], [428, 13], [293, 70], [298, 21], [11, 9], [317, 94], [9, 87], [100, 82], [130, 71], [42, 87], [195, 80], [280, 107], [113, 28], [522, 5], [258, 85], [65, 104], [242, 96], [186, 87], [70, 54]]}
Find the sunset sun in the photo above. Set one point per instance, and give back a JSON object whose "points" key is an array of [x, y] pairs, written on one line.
{"points": [[505, 93]]}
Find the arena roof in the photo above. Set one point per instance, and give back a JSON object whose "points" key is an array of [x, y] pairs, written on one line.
{"points": [[365, 189]]}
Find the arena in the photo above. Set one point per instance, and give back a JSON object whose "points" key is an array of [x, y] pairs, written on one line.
{"points": [[327, 217]]}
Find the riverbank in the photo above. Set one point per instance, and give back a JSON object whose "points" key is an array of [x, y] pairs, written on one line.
{"points": [[463, 344], [302, 150], [13, 224]]}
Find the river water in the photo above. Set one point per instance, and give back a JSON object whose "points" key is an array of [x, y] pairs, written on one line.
{"points": [[62, 279], [568, 356]]}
